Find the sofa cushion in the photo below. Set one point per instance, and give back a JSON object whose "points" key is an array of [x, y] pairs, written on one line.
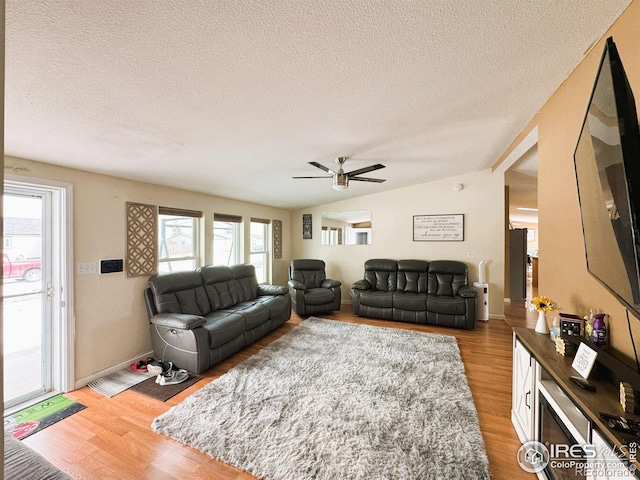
{"points": [[446, 277], [412, 276], [279, 305], [254, 313], [217, 284], [376, 298], [446, 305], [414, 302], [246, 284], [179, 292], [319, 296], [223, 327], [309, 272], [381, 273]]}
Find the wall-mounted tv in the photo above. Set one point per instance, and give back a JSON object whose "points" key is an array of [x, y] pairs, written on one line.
{"points": [[607, 166]]}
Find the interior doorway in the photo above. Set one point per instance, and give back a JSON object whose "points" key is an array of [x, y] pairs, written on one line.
{"points": [[37, 328], [520, 170]]}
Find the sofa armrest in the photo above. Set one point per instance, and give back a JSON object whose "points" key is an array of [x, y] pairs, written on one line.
{"points": [[296, 285], [328, 283], [272, 290], [182, 321], [468, 292], [361, 285]]}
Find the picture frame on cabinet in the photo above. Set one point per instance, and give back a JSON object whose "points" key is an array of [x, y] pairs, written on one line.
{"points": [[584, 360]]}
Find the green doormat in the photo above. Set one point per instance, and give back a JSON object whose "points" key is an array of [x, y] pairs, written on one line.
{"points": [[39, 416]]}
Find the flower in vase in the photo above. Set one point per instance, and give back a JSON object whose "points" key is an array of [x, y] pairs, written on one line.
{"points": [[542, 304]]}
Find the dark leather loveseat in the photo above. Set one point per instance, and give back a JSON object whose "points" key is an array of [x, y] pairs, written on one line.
{"points": [[199, 318], [416, 291]]}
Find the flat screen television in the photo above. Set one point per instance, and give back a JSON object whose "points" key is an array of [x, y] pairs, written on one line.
{"points": [[607, 167]]}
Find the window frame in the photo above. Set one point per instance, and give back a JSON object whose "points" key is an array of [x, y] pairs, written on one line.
{"points": [[236, 247], [264, 252], [195, 257]]}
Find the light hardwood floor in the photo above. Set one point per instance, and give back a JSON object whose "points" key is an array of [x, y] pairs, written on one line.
{"points": [[112, 437]]}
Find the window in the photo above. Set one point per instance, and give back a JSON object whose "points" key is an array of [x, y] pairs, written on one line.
{"points": [[331, 236], [259, 230], [226, 239], [178, 239]]}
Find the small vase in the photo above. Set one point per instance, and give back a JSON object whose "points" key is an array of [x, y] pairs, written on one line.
{"points": [[541, 325]]}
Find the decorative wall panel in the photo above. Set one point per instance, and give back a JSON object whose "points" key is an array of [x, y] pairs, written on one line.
{"points": [[277, 239], [142, 243]]}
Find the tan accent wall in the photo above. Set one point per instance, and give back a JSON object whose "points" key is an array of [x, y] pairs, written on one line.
{"points": [[563, 271]]}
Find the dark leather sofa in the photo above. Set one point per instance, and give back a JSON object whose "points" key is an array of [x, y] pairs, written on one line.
{"points": [[199, 318], [416, 291]]}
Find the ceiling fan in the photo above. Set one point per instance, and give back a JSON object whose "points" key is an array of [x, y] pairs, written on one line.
{"points": [[341, 179]]}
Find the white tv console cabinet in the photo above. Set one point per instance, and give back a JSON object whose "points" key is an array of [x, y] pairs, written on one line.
{"points": [[542, 376]]}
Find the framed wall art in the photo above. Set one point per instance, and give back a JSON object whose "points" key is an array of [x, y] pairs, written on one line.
{"points": [[306, 226], [438, 228]]}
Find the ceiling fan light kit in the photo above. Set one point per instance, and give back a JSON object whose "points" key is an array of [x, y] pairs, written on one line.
{"points": [[340, 182], [340, 179]]}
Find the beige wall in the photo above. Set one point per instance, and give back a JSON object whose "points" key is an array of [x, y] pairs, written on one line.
{"points": [[110, 320], [563, 272], [481, 201], [110, 333]]}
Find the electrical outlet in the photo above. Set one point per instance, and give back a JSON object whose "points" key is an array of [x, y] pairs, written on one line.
{"points": [[471, 254], [84, 268]]}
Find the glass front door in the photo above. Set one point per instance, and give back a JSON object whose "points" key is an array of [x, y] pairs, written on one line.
{"points": [[27, 291]]}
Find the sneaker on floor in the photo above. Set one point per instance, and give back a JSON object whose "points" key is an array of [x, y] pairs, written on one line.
{"points": [[173, 377]]}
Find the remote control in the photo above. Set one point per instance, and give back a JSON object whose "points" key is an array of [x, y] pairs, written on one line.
{"points": [[626, 425], [584, 384]]}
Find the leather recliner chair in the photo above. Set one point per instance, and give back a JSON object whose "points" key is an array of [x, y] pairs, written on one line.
{"points": [[311, 292]]}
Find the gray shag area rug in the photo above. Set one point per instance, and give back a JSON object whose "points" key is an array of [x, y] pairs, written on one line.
{"points": [[335, 400]]}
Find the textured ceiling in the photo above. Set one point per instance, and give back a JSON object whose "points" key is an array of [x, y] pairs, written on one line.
{"points": [[233, 98]]}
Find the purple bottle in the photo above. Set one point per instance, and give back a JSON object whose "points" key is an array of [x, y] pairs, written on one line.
{"points": [[599, 335]]}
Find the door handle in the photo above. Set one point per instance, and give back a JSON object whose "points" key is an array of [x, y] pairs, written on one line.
{"points": [[49, 291], [527, 396]]}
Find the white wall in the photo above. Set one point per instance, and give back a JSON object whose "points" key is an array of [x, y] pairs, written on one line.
{"points": [[110, 320], [481, 201]]}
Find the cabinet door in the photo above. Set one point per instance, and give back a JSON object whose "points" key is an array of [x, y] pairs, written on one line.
{"points": [[523, 394], [606, 465]]}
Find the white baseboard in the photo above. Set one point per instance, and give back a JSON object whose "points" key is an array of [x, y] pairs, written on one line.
{"points": [[83, 381], [496, 316]]}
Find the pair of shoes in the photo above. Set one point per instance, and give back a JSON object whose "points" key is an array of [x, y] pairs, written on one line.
{"points": [[141, 366], [167, 368], [158, 367], [172, 377]]}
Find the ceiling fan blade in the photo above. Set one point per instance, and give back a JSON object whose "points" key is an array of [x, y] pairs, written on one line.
{"points": [[313, 177], [377, 166], [366, 179], [322, 167]]}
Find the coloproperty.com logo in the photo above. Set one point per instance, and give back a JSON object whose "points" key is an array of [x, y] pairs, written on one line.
{"points": [[533, 457]]}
